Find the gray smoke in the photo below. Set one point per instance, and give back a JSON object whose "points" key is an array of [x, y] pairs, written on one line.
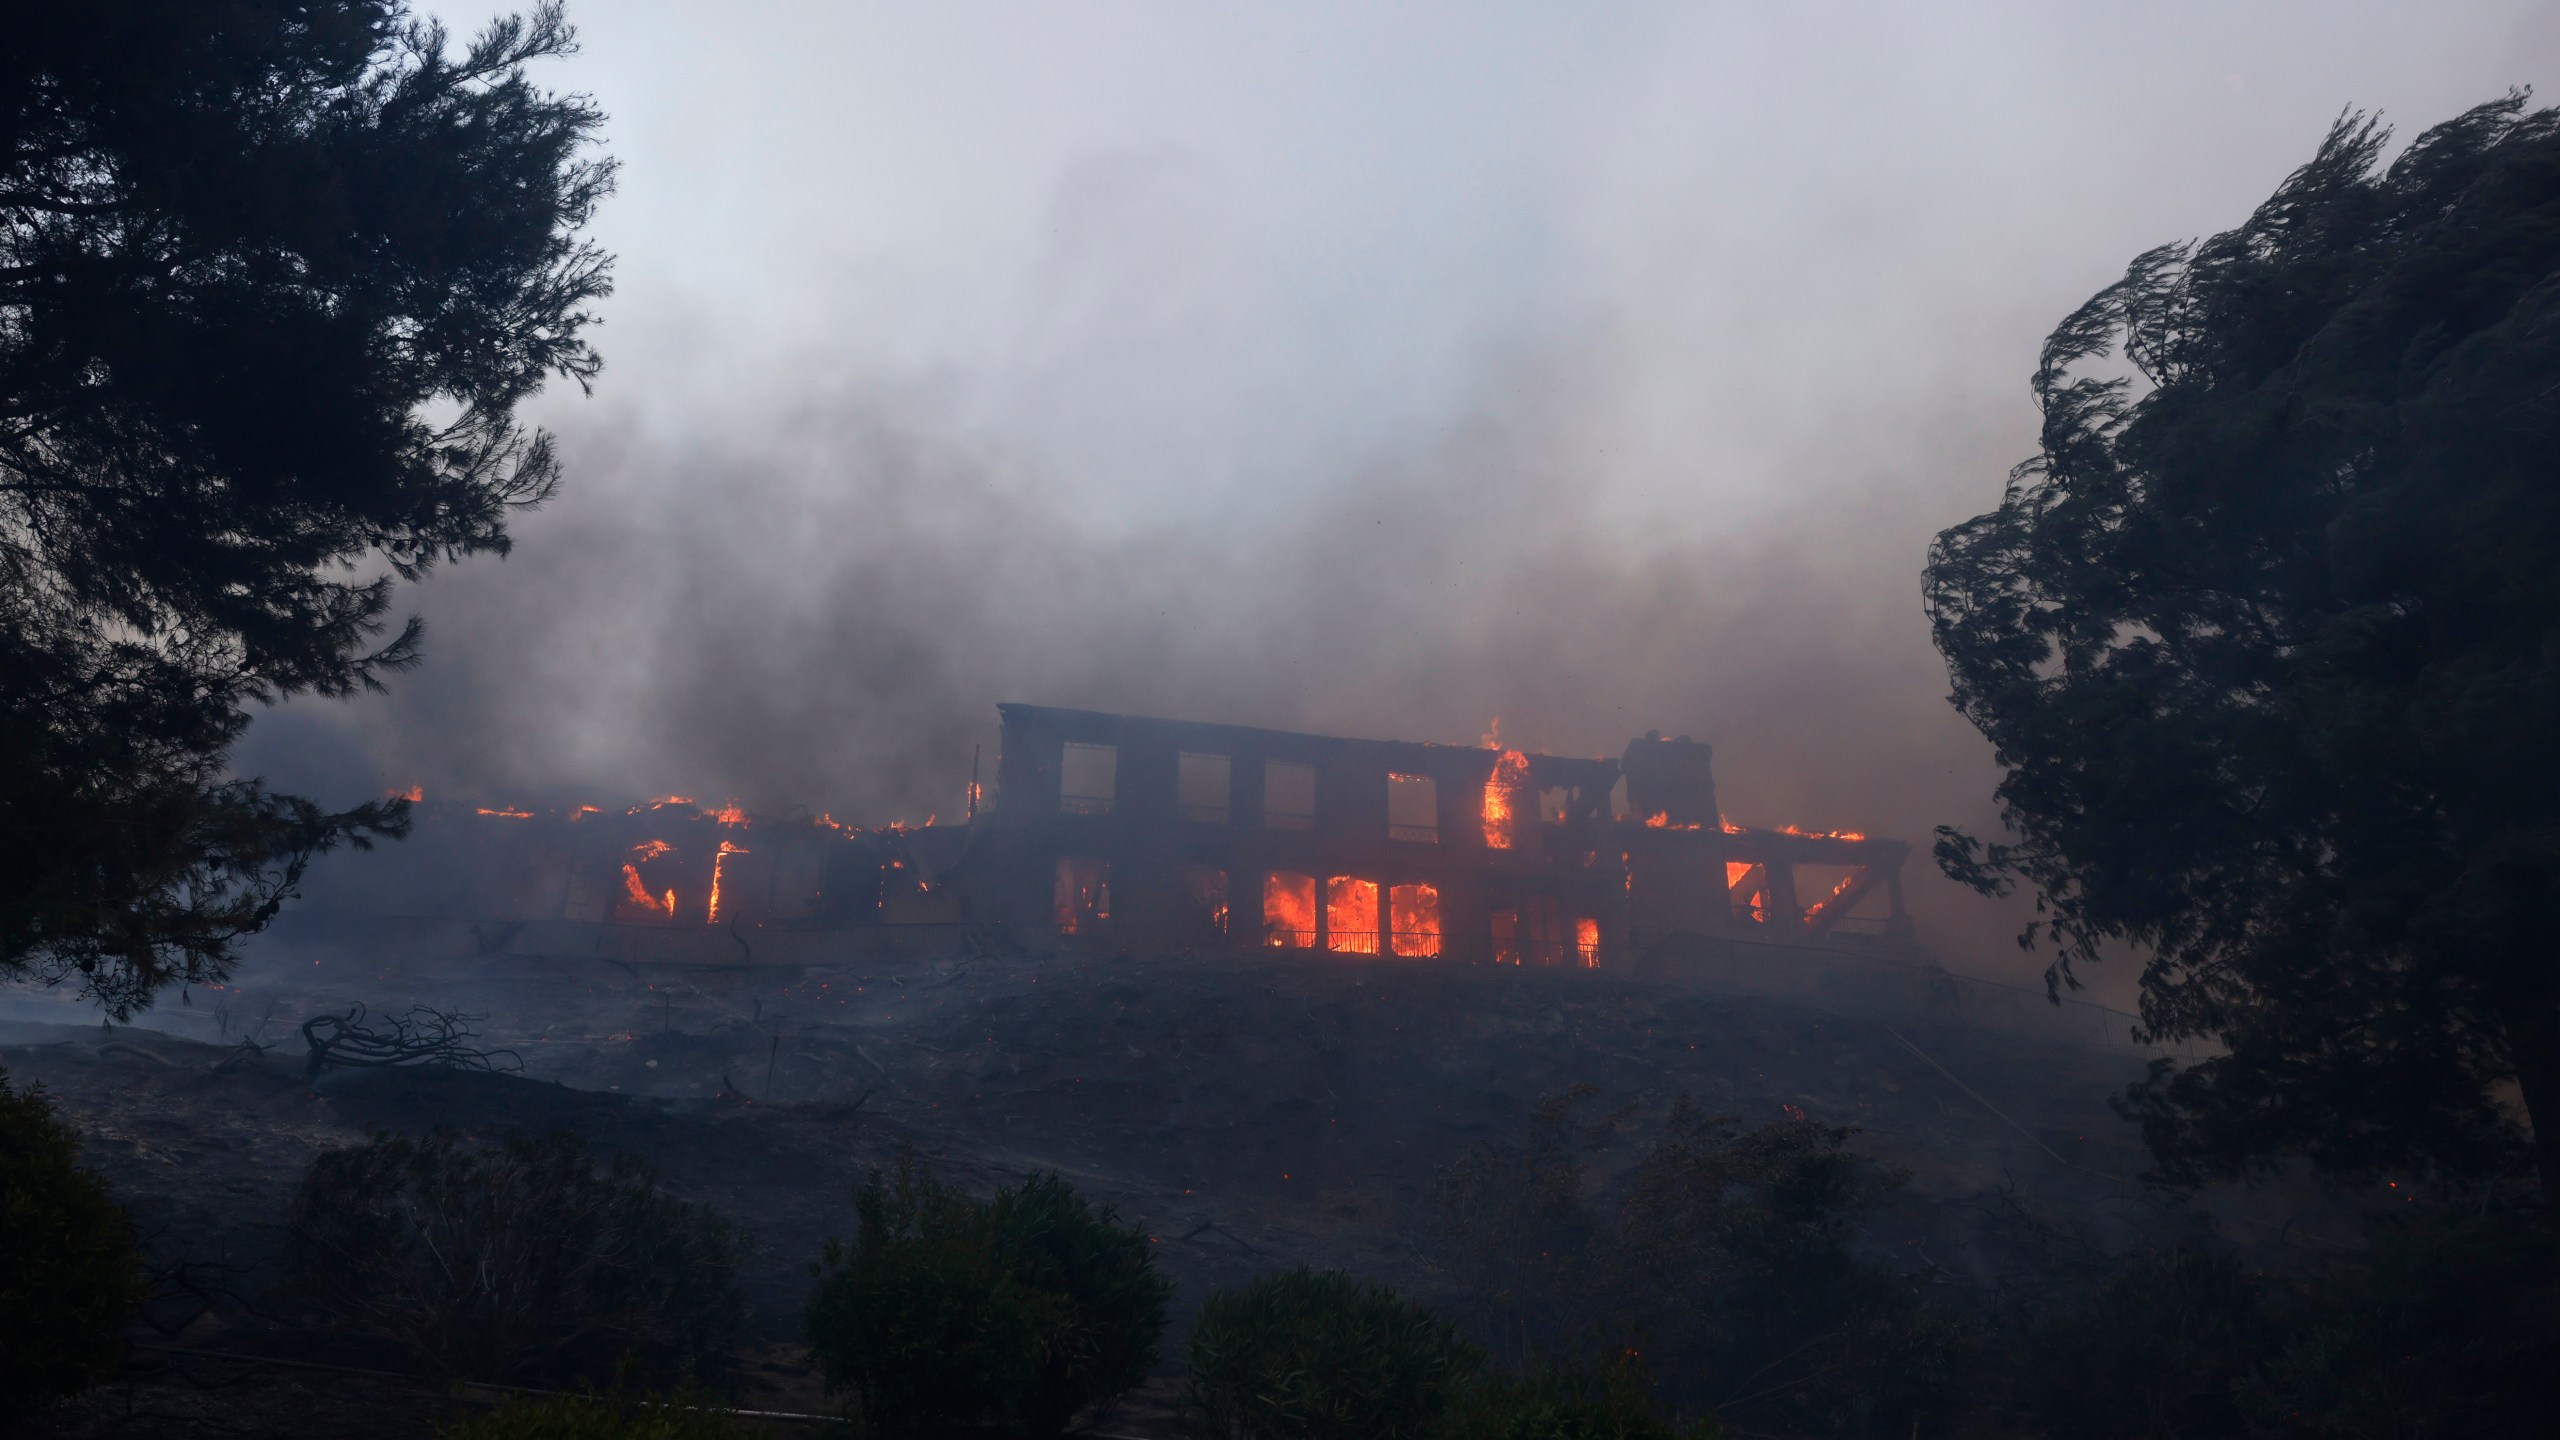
{"points": [[1332, 369]]}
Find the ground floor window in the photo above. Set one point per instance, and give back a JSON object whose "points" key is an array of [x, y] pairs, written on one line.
{"points": [[1208, 891], [1288, 910], [1413, 919], [1586, 943], [1351, 915], [1083, 897]]}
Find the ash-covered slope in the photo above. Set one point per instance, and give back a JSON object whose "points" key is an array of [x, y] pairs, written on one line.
{"points": [[1251, 1113]]}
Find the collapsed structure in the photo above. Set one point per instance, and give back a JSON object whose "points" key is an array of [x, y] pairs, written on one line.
{"points": [[1157, 835]]}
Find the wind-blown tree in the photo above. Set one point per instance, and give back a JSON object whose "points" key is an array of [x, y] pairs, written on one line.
{"points": [[2267, 640], [274, 275]]}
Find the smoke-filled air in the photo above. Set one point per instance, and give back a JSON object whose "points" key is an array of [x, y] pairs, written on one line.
{"points": [[1007, 719]]}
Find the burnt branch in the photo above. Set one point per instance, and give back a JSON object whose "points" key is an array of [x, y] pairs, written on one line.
{"points": [[424, 1036]]}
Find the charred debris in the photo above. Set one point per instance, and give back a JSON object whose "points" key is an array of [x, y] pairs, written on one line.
{"points": [[1148, 834]]}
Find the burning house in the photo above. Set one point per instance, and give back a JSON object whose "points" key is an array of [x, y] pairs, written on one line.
{"points": [[1160, 834], [1147, 834]]}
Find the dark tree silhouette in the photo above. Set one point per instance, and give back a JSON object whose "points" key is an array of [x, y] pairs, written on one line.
{"points": [[2268, 641], [273, 278]]}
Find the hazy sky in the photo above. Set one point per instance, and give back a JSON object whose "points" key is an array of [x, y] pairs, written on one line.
{"points": [[1377, 368]]}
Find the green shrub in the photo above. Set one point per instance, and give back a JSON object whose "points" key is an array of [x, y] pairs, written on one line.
{"points": [[1024, 1311], [584, 1417], [519, 1260], [2155, 1349], [1317, 1355], [1563, 1404], [70, 1276]]}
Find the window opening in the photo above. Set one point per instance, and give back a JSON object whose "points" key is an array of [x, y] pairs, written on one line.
{"points": [[1208, 889], [1203, 786], [1087, 775], [1506, 937], [1083, 897], [1351, 915], [1541, 939], [1288, 910], [1288, 795], [1413, 808], [1747, 887], [1586, 942], [1551, 805], [1413, 920], [1829, 885]]}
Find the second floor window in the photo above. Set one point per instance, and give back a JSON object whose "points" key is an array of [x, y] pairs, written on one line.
{"points": [[1087, 776], [1413, 809]]}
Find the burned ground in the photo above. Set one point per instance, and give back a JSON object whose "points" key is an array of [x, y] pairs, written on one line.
{"points": [[1250, 1113]]}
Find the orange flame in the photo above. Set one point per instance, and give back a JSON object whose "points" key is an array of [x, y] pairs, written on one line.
{"points": [[1288, 910], [1826, 902], [1510, 774], [415, 794], [1821, 834], [719, 860], [1351, 915], [507, 813], [1413, 914], [583, 811], [729, 814], [1586, 942], [661, 800]]}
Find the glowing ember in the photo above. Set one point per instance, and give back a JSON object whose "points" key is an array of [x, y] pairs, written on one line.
{"points": [[1351, 915], [730, 814], [1288, 910], [1502, 790], [1828, 902], [1586, 942], [415, 794], [719, 860], [662, 800], [1083, 894], [583, 811], [507, 812], [1413, 913]]}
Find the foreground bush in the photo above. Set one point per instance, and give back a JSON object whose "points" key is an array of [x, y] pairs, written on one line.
{"points": [[1317, 1355], [1724, 1257], [70, 1276], [1025, 1311], [1559, 1404], [2155, 1349], [581, 1417], [2445, 1325], [525, 1259]]}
